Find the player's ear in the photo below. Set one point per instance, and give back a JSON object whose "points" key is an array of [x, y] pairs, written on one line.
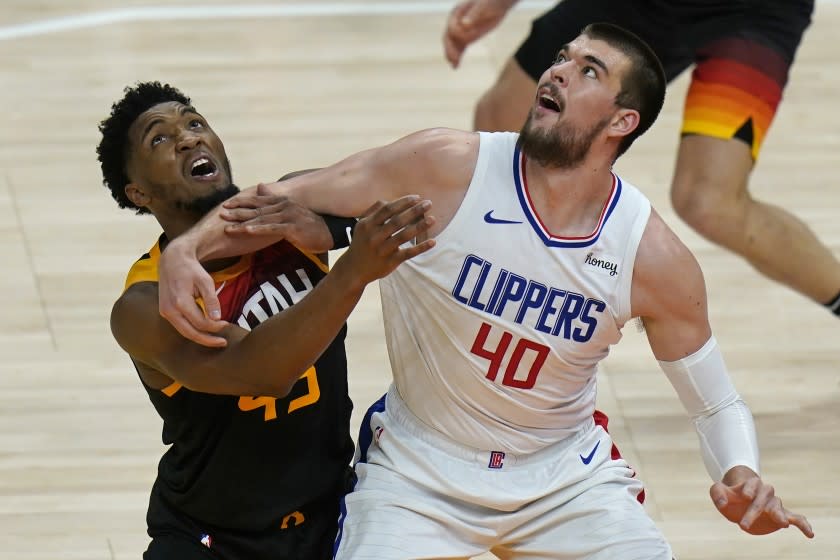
{"points": [[137, 195], [624, 122]]}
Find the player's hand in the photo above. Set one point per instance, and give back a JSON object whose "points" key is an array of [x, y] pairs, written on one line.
{"points": [[380, 238], [743, 498], [262, 213], [469, 21], [182, 279]]}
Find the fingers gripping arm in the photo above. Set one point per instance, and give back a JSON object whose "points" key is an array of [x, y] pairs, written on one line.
{"points": [[425, 163], [340, 228], [436, 164]]}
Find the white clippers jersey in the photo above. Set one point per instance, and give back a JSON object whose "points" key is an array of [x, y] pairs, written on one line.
{"points": [[495, 334]]}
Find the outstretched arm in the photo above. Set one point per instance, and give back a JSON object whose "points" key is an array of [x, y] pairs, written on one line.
{"points": [[254, 362], [436, 164], [669, 294]]}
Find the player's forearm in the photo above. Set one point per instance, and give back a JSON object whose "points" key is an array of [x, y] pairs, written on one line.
{"points": [[336, 190], [348, 188], [207, 240], [728, 440], [276, 353], [213, 245], [723, 421]]}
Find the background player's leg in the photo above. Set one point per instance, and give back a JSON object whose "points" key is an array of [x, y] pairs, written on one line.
{"points": [[506, 104], [735, 91], [710, 192]]}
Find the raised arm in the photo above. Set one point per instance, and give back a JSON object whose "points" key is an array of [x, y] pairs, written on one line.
{"points": [[269, 359], [669, 294], [436, 164]]}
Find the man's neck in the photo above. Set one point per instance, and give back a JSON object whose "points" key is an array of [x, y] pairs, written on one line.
{"points": [[569, 201]]}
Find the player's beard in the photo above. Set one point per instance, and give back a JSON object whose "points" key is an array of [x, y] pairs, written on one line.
{"points": [[202, 205], [561, 147]]}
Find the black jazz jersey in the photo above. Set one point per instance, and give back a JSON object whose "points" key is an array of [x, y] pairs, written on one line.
{"points": [[246, 462]]}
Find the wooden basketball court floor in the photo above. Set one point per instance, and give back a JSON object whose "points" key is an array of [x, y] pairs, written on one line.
{"points": [[296, 85]]}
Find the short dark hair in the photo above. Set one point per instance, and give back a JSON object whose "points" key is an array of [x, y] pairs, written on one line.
{"points": [[643, 85], [114, 147]]}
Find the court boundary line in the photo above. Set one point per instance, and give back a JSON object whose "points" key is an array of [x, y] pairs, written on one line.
{"points": [[26, 244], [246, 11]]}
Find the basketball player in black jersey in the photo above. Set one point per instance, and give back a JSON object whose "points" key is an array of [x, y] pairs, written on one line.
{"points": [[258, 429]]}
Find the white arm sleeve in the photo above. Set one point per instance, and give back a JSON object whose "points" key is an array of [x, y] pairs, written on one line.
{"points": [[723, 422]]}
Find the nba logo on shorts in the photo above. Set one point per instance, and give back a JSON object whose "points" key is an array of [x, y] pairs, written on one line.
{"points": [[206, 540], [497, 459]]}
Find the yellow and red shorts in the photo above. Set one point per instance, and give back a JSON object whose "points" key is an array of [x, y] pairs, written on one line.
{"points": [[742, 51]]}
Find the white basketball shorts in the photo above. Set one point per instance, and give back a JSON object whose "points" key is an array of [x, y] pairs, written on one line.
{"points": [[422, 495]]}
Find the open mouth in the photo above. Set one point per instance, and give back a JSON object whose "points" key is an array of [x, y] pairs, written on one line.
{"points": [[547, 102], [203, 168]]}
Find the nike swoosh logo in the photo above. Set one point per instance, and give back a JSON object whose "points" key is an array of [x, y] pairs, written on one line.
{"points": [[491, 220], [588, 459]]}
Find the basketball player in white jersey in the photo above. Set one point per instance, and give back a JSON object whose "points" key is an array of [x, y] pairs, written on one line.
{"points": [[485, 440]]}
